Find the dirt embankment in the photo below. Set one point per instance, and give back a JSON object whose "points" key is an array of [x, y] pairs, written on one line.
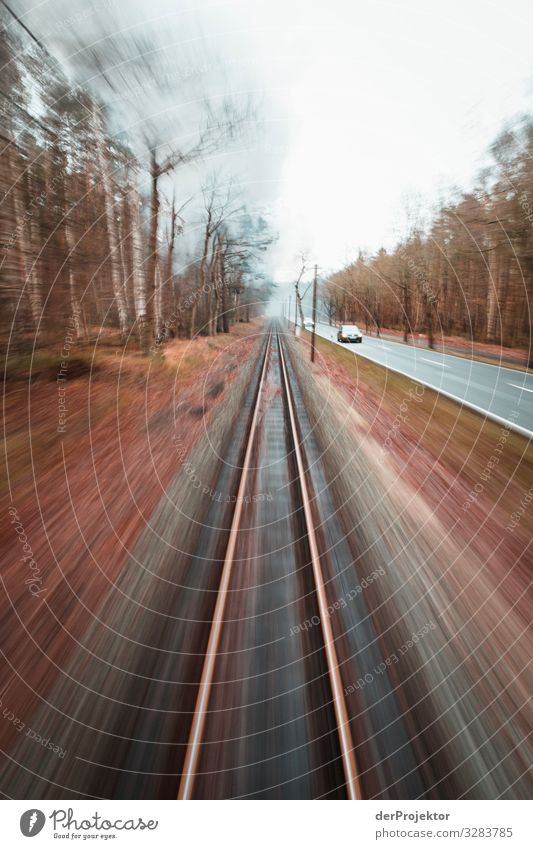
{"points": [[88, 459]]}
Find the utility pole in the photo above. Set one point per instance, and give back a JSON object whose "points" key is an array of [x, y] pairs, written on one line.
{"points": [[314, 317], [295, 313]]}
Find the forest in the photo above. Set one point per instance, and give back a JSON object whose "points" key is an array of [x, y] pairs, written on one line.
{"points": [[467, 272], [88, 236]]}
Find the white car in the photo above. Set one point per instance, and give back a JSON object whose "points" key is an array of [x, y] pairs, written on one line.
{"points": [[349, 333], [308, 322]]}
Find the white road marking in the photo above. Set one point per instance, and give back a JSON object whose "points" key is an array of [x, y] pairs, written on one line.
{"points": [[516, 386], [433, 363]]}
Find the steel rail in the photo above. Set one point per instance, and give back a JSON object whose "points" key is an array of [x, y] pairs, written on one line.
{"points": [[351, 772], [200, 711]]}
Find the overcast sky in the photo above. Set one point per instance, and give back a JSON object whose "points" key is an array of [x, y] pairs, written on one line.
{"points": [[363, 103]]}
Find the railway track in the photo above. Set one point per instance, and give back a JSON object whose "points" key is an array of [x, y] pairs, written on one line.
{"points": [[274, 367]]}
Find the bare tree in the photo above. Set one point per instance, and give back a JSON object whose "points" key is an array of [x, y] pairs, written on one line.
{"points": [[110, 213], [219, 207], [299, 297]]}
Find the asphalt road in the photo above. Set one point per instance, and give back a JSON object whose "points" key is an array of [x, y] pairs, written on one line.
{"points": [[503, 394]]}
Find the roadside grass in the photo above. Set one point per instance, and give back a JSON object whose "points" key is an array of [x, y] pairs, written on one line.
{"points": [[463, 438]]}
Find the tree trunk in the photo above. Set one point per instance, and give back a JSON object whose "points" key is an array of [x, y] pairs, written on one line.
{"points": [[429, 321], [217, 283], [153, 254], [158, 305], [124, 235], [203, 263], [214, 294], [492, 295], [224, 297], [192, 321], [138, 275], [114, 256], [34, 282], [75, 304], [299, 301], [169, 274], [21, 276], [406, 311]]}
